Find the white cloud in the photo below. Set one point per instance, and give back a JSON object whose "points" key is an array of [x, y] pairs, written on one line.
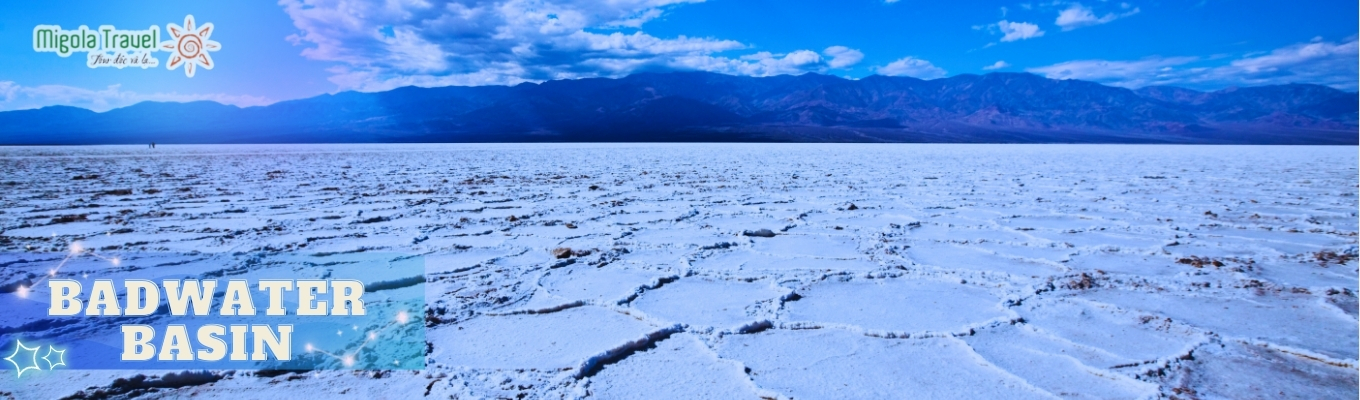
{"points": [[1018, 30], [383, 45], [998, 65], [1077, 16], [1323, 63], [1298, 55], [913, 67], [1132, 74], [17, 97], [410, 52], [759, 64], [842, 57], [636, 21], [1332, 64]]}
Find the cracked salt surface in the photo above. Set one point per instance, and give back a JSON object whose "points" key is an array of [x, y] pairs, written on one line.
{"points": [[562, 339], [1304, 322], [1055, 365], [622, 271], [836, 364], [681, 364], [901, 307], [1237, 370], [706, 303], [1116, 336]]}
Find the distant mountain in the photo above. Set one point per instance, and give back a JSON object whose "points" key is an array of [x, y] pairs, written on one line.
{"points": [[700, 106]]}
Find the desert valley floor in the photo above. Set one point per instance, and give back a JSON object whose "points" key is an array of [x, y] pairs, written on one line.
{"points": [[727, 271]]}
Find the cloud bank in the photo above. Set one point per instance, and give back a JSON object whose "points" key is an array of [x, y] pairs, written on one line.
{"points": [[1319, 62], [379, 46]]}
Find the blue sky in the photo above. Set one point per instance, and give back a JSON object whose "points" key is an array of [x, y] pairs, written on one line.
{"points": [[301, 48]]}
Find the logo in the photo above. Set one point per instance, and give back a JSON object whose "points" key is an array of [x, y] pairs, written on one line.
{"points": [[190, 47], [109, 46]]}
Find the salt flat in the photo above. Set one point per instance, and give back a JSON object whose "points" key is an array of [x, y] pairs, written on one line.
{"points": [[638, 270]]}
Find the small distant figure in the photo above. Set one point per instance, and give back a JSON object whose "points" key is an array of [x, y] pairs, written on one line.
{"points": [[153, 145]]}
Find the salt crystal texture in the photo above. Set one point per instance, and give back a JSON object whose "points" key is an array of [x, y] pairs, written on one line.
{"points": [[961, 271]]}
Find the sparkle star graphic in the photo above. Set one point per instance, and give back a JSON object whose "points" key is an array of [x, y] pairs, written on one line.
{"points": [[21, 354], [190, 47], [60, 357], [350, 358]]}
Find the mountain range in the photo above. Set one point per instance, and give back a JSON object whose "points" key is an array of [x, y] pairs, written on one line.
{"points": [[701, 106]]}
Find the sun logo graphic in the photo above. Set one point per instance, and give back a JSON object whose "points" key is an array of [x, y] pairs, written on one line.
{"points": [[190, 47]]}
